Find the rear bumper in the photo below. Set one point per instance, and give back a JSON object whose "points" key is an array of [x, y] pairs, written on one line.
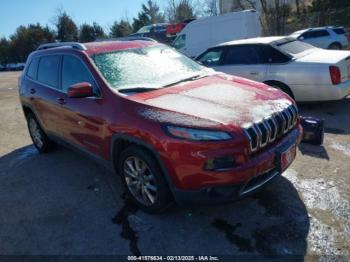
{"points": [[322, 92], [343, 89]]}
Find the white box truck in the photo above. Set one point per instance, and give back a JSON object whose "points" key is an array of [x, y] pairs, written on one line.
{"points": [[206, 32]]}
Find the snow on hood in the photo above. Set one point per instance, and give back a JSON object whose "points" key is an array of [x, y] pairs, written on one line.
{"points": [[212, 101]]}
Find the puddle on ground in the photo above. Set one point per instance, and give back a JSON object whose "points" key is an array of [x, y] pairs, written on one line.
{"points": [[243, 244], [127, 232]]}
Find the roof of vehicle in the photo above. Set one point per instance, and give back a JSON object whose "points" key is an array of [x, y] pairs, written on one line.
{"points": [[299, 32], [101, 46], [256, 40]]}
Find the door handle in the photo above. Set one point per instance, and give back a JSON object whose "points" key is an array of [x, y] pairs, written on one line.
{"points": [[32, 91], [254, 73], [61, 101]]}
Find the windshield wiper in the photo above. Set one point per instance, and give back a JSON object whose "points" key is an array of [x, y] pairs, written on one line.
{"points": [[136, 89], [195, 77]]}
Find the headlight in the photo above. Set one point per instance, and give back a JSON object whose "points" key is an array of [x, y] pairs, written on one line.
{"points": [[197, 134]]}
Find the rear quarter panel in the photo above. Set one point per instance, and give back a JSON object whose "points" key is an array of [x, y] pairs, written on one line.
{"points": [[302, 78]]}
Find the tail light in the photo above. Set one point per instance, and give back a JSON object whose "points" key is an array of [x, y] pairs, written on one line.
{"points": [[335, 75]]}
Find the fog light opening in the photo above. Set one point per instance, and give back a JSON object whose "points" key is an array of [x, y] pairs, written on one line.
{"points": [[219, 163]]}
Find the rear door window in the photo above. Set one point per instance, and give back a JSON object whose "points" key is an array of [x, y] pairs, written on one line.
{"points": [[33, 68], [48, 70], [74, 72], [315, 34], [273, 56], [243, 55], [339, 31]]}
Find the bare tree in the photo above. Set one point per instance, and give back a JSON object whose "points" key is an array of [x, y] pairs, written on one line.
{"points": [[297, 5], [273, 13], [211, 8], [180, 10]]}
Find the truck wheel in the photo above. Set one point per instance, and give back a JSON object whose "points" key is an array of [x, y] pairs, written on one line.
{"points": [[144, 180], [39, 138], [335, 46]]}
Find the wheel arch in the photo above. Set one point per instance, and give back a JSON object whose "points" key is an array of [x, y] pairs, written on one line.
{"points": [[335, 43], [282, 85], [121, 141], [28, 109]]}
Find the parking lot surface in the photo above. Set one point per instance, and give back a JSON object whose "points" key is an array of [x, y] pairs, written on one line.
{"points": [[64, 203]]}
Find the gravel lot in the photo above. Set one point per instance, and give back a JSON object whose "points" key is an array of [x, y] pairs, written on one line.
{"points": [[63, 203]]}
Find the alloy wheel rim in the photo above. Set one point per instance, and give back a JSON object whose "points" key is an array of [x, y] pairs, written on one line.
{"points": [[140, 180], [35, 132]]}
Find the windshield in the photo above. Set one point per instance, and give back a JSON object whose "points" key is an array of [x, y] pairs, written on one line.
{"points": [[294, 47], [154, 67], [145, 29]]}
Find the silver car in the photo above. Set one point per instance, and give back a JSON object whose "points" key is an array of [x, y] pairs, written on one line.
{"points": [[329, 37], [305, 72]]}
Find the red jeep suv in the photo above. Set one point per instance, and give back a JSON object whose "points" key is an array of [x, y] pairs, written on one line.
{"points": [[171, 128]]}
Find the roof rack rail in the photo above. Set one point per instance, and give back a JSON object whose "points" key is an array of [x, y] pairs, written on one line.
{"points": [[75, 45], [127, 38]]}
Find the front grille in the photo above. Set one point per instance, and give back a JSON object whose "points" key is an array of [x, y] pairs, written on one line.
{"points": [[262, 133]]}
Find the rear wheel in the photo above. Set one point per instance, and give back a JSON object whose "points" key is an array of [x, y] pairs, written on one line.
{"points": [[144, 180], [39, 138], [284, 88], [335, 46]]}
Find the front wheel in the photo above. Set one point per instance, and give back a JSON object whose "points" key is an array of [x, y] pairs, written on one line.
{"points": [[39, 138], [144, 180]]}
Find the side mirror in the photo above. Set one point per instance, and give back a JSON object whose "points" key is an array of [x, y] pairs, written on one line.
{"points": [[80, 90]]}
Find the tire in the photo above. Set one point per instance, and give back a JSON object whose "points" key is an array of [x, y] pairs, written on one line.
{"points": [[143, 180], [335, 46], [40, 140], [284, 88]]}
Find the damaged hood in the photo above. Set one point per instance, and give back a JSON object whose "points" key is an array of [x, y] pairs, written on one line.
{"points": [[213, 100]]}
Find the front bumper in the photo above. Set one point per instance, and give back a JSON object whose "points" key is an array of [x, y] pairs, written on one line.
{"points": [[225, 194], [230, 185]]}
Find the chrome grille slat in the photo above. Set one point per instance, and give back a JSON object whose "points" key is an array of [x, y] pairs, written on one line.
{"points": [[291, 112], [285, 122], [258, 132], [289, 125], [274, 128], [262, 133], [295, 113]]}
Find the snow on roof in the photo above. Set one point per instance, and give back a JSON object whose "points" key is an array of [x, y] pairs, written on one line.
{"points": [[256, 40]]}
